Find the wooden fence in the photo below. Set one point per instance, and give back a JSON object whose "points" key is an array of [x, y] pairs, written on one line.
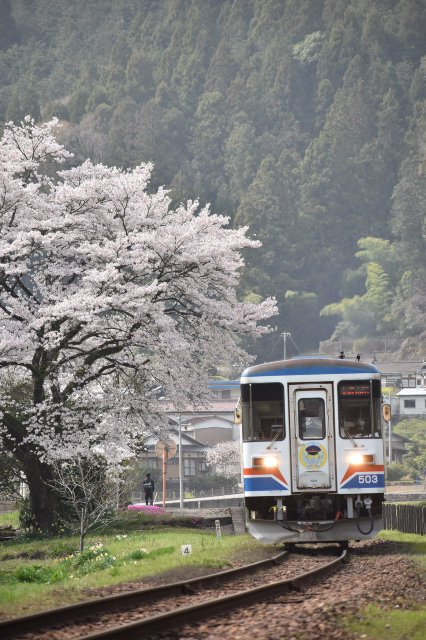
{"points": [[409, 518]]}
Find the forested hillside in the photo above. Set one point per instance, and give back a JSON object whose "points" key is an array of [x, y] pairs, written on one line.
{"points": [[303, 119]]}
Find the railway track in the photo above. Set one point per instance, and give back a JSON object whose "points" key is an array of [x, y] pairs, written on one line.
{"points": [[108, 611]]}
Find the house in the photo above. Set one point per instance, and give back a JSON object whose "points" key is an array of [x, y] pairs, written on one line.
{"points": [[193, 455], [412, 403], [410, 378], [213, 422], [401, 375], [209, 429], [398, 445], [194, 463]]}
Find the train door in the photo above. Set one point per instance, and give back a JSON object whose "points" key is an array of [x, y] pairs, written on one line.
{"points": [[312, 437]]}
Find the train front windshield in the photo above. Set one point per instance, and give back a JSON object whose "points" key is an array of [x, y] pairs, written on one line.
{"points": [[359, 409], [263, 412]]}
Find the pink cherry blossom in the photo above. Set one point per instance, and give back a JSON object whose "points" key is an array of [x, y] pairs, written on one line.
{"points": [[106, 295]]}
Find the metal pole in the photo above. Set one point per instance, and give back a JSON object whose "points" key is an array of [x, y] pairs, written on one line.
{"points": [[390, 435], [284, 335], [180, 464], [83, 512], [164, 474]]}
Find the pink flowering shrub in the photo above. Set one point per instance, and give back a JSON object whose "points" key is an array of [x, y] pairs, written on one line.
{"points": [[147, 508], [147, 514]]}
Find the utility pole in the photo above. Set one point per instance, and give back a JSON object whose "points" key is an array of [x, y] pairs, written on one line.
{"points": [[285, 335], [390, 433], [181, 468]]}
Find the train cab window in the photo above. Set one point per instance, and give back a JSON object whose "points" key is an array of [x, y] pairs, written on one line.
{"points": [[311, 413], [263, 412], [359, 409]]}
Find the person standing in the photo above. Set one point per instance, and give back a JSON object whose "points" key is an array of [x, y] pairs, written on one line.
{"points": [[148, 487]]}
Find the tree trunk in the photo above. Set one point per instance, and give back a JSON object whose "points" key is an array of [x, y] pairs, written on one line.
{"points": [[43, 498]]}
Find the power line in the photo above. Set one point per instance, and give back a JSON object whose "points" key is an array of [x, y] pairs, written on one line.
{"points": [[291, 337]]}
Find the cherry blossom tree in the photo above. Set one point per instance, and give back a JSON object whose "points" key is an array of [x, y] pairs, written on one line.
{"points": [[226, 457], [106, 294]]}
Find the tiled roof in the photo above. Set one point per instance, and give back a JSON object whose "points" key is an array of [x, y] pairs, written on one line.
{"points": [[224, 384], [400, 367], [197, 419], [417, 391], [213, 406]]}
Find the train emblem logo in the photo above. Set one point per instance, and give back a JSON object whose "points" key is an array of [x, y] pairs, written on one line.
{"points": [[313, 455]]}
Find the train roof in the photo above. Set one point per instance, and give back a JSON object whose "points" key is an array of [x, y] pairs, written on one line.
{"points": [[309, 367]]}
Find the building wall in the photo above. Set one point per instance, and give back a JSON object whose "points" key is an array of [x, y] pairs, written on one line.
{"points": [[413, 405], [194, 466], [211, 435]]}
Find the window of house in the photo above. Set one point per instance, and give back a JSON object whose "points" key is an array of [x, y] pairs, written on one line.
{"points": [[409, 404], [408, 381], [189, 466], [226, 394]]}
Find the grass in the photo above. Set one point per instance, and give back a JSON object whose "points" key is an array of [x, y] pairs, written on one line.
{"points": [[37, 574], [374, 623], [395, 624], [9, 518], [40, 573], [415, 543]]}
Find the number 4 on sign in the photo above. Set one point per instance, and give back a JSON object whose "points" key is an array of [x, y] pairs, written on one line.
{"points": [[186, 549]]}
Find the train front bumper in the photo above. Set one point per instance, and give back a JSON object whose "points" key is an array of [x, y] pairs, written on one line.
{"points": [[270, 532]]}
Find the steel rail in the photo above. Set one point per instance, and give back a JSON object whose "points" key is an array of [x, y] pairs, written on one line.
{"points": [[43, 619], [179, 617]]}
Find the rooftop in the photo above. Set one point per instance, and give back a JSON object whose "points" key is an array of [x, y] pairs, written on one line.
{"points": [[212, 406], [407, 366], [415, 391]]}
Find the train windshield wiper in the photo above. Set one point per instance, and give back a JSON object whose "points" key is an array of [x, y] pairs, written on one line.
{"points": [[348, 435], [275, 438]]}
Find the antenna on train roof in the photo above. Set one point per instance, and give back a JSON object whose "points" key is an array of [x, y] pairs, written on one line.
{"points": [[342, 355]]}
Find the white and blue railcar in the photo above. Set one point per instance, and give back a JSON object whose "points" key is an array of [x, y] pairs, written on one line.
{"points": [[313, 450]]}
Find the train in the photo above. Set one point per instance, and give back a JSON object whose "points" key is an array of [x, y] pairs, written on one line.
{"points": [[313, 450]]}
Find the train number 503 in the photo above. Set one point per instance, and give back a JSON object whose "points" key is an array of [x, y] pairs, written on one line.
{"points": [[367, 479]]}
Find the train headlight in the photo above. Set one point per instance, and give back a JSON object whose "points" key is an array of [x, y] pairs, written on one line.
{"points": [[266, 461], [356, 458], [359, 458], [270, 461]]}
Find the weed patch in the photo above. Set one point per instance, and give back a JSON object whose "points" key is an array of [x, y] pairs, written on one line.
{"points": [[394, 624], [129, 552], [40, 574]]}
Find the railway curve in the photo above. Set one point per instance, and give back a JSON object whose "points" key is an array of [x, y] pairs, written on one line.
{"points": [[213, 602]]}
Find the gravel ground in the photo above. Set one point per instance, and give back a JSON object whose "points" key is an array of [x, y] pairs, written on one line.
{"points": [[378, 572]]}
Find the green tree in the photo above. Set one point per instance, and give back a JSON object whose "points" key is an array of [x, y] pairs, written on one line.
{"points": [[369, 314], [78, 102], [409, 227], [14, 111], [208, 137], [415, 430], [240, 159], [8, 31]]}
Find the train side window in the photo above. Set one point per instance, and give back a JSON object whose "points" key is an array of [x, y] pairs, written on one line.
{"points": [[359, 409], [263, 411], [311, 413]]}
